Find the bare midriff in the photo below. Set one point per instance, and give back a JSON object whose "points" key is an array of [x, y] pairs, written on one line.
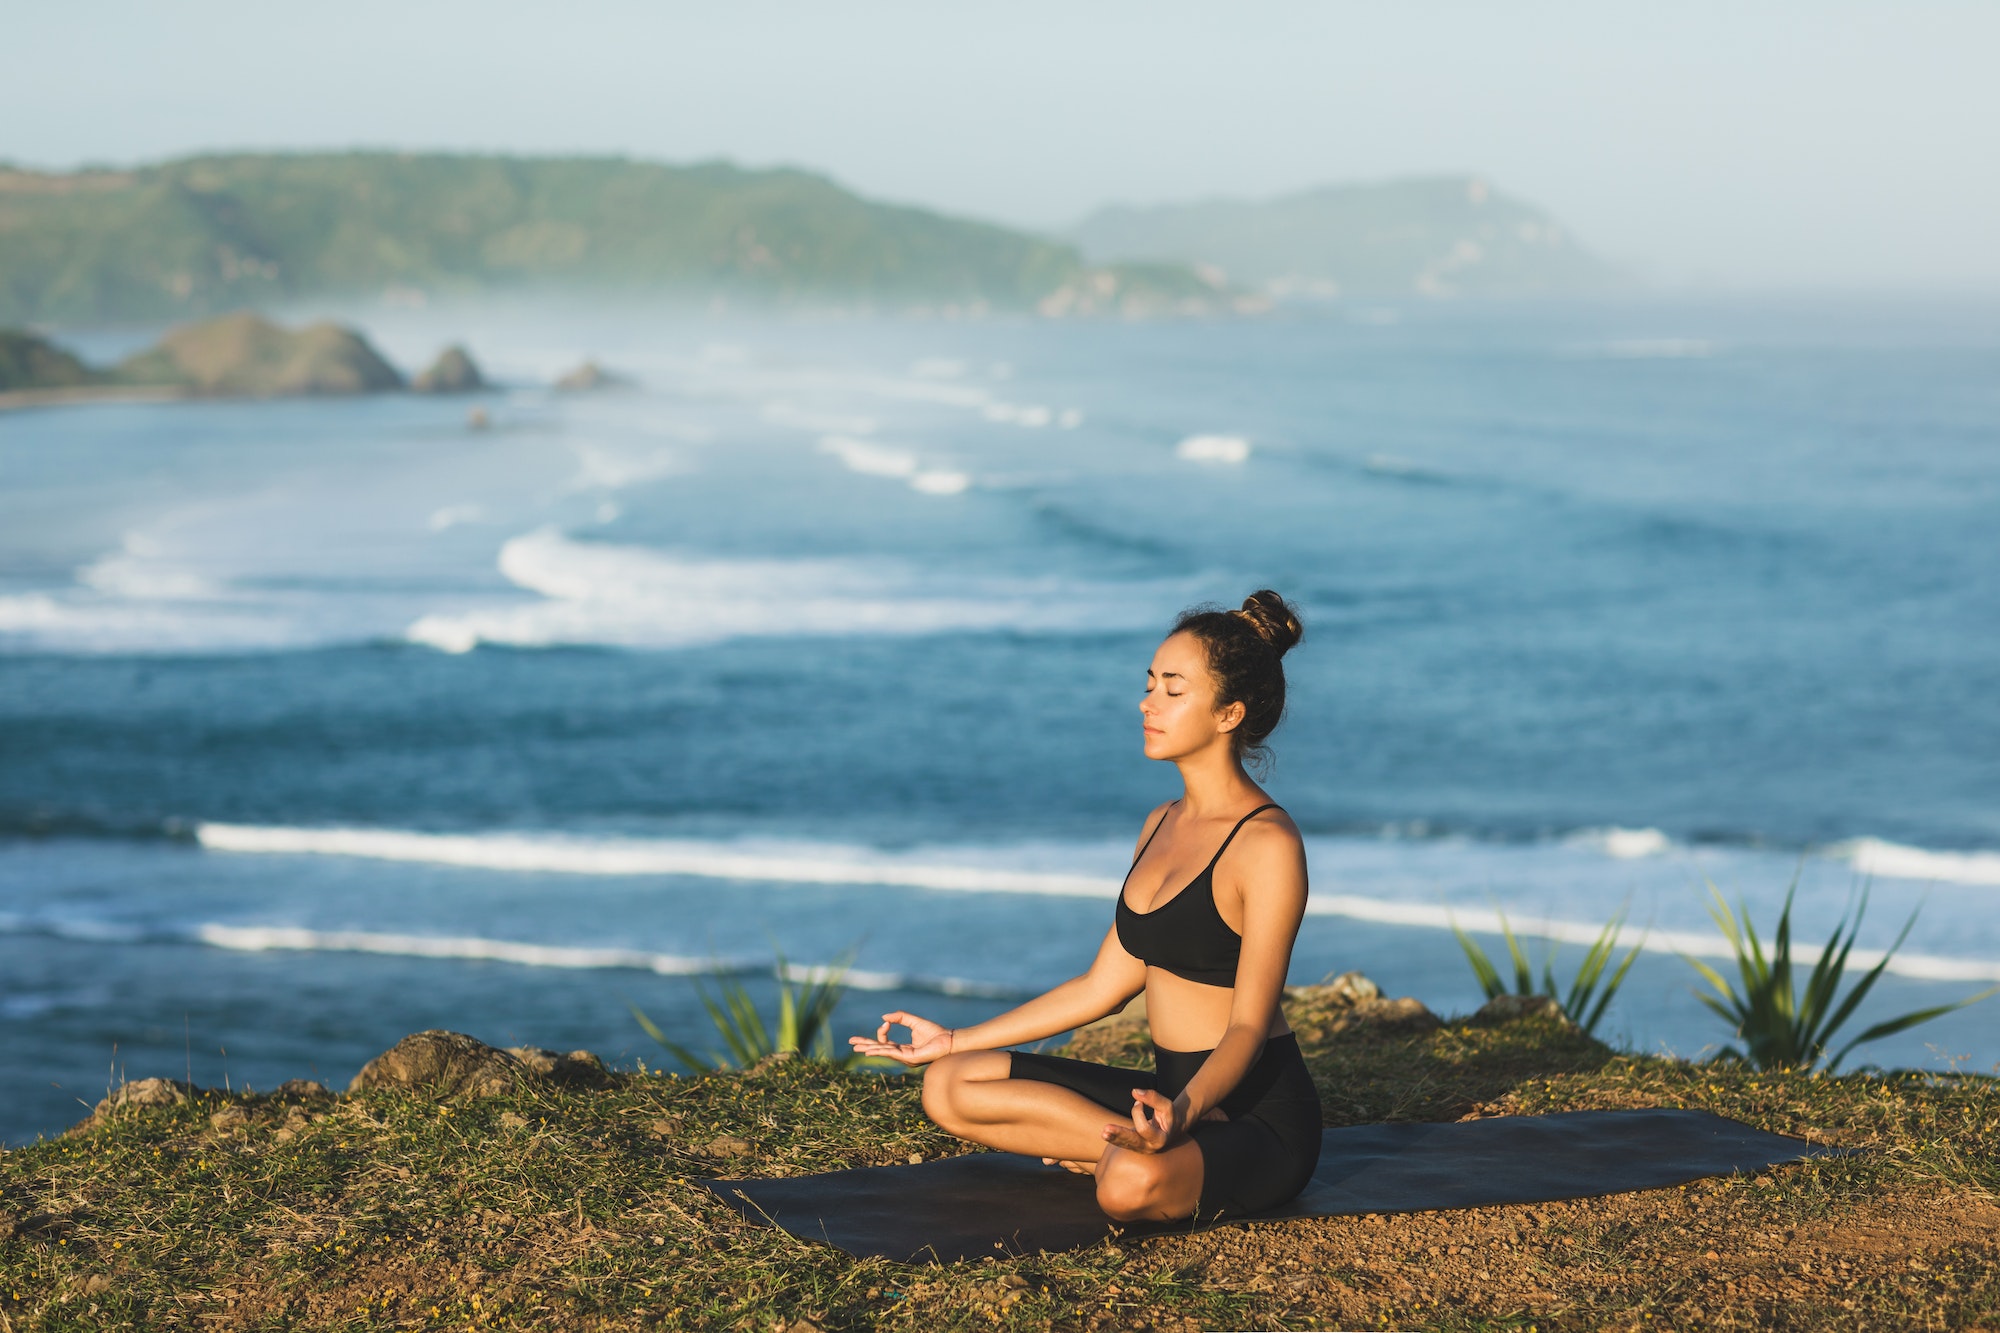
{"points": [[1192, 1015]]}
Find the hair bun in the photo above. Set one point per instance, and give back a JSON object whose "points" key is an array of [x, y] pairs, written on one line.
{"points": [[1274, 618]]}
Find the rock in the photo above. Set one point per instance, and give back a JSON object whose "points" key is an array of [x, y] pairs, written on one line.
{"points": [[137, 1095], [771, 1061], [229, 1117], [1406, 1013], [147, 1092], [578, 1068], [509, 1120], [666, 1126], [441, 1065], [590, 376], [1350, 988], [301, 1089], [1513, 1008], [453, 372], [246, 355], [728, 1145]]}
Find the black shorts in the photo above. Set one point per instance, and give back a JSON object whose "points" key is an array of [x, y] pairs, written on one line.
{"points": [[1260, 1157]]}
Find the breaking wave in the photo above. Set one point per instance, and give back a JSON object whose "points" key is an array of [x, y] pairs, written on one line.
{"points": [[631, 596], [807, 863]]}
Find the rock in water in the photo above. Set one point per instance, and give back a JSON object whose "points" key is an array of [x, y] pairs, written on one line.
{"points": [[590, 376], [440, 1065], [453, 372], [246, 355]]}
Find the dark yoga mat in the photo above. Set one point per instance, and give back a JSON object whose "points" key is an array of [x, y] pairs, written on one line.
{"points": [[993, 1203]]}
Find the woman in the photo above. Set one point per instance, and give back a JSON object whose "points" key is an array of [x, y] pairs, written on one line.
{"points": [[1228, 1123]]}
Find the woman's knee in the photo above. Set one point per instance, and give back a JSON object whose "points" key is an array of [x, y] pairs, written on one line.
{"points": [[945, 1080]]}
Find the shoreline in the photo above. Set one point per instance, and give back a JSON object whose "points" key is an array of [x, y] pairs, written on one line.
{"points": [[14, 400]]}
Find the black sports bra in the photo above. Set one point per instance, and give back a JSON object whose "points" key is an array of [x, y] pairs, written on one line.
{"points": [[1185, 935]]}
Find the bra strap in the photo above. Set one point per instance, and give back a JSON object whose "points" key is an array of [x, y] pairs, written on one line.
{"points": [[1149, 839], [1268, 805]]}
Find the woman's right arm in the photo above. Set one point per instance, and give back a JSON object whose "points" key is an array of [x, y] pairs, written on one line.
{"points": [[1113, 979]]}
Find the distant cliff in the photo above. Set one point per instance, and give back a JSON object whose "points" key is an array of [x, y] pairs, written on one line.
{"points": [[208, 234], [1441, 237]]}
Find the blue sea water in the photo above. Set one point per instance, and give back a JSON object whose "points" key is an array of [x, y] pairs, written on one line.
{"points": [[322, 722]]}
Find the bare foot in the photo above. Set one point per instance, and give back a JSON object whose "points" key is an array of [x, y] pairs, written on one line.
{"points": [[1075, 1168]]}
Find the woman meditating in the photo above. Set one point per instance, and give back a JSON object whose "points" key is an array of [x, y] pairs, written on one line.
{"points": [[1228, 1122]]}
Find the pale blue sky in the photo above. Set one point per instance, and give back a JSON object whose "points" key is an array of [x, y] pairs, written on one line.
{"points": [[1787, 144]]}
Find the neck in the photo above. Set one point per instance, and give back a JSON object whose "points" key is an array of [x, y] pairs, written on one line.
{"points": [[1215, 784]]}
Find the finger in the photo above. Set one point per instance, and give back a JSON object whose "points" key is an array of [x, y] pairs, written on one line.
{"points": [[1121, 1137]]}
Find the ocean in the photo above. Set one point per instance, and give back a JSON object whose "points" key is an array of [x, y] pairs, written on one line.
{"points": [[323, 722]]}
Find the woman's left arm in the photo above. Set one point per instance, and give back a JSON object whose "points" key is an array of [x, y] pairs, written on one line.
{"points": [[1268, 868]]}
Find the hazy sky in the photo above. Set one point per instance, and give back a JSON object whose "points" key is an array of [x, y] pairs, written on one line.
{"points": [[1750, 144]]}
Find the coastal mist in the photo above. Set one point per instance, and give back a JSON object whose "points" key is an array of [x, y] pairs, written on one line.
{"points": [[323, 721]]}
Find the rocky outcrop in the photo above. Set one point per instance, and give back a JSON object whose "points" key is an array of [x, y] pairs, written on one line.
{"points": [[28, 361], [246, 355], [453, 372], [443, 1065]]}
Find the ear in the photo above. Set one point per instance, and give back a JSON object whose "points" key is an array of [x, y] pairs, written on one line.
{"points": [[1230, 718]]}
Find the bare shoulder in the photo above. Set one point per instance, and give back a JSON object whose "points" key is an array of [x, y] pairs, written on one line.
{"points": [[1269, 841], [1271, 828], [1150, 826]]}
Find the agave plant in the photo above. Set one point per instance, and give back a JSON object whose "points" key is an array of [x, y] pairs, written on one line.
{"points": [[806, 1000], [1584, 988], [1780, 1026]]}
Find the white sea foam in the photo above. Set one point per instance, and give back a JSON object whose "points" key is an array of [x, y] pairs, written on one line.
{"points": [[1872, 856], [1624, 844], [789, 863], [629, 596], [475, 948], [880, 460], [1213, 449], [806, 863]]}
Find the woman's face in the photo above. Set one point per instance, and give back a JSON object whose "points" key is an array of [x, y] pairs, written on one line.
{"points": [[1178, 708]]}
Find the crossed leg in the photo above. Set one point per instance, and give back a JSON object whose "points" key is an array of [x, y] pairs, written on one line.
{"points": [[971, 1095]]}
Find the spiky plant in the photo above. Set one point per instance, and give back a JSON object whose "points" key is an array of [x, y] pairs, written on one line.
{"points": [[806, 1001], [1780, 1026], [1590, 990]]}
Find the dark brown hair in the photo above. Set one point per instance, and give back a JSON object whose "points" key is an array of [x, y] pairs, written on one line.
{"points": [[1244, 648]]}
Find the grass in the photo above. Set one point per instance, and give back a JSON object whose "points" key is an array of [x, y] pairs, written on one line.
{"points": [[575, 1209]]}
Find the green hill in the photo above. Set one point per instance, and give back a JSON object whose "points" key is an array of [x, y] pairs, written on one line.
{"points": [[207, 234], [31, 362], [1447, 236]]}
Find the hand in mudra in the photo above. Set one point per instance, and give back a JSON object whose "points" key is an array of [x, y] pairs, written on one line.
{"points": [[1158, 1123], [928, 1041]]}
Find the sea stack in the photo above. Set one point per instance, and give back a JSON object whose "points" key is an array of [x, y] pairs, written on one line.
{"points": [[589, 376], [246, 355], [453, 372]]}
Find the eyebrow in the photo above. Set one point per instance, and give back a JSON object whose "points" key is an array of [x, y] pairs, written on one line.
{"points": [[1164, 674]]}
